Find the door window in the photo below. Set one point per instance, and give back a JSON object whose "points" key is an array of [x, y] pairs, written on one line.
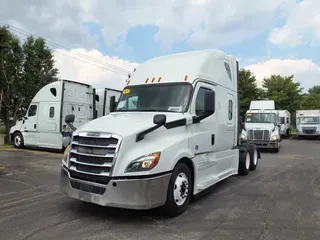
{"points": [[32, 111], [51, 112], [230, 109], [200, 101]]}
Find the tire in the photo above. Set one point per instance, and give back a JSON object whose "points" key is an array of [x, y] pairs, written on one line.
{"points": [[18, 140], [180, 180], [288, 133], [254, 157], [244, 162]]}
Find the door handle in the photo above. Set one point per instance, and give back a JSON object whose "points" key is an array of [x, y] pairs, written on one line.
{"points": [[34, 125], [212, 139]]}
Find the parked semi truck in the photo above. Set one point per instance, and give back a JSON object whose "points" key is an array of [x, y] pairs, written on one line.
{"points": [[174, 133], [308, 123], [262, 126], [43, 125], [104, 100], [285, 121]]}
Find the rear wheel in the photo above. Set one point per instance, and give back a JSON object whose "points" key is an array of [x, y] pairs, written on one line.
{"points": [[244, 162], [254, 155], [18, 140], [179, 191]]}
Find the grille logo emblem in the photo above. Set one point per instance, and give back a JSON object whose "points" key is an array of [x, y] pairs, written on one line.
{"points": [[93, 134]]}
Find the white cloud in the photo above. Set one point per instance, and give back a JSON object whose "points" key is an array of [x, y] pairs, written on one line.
{"points": [[305, 71], [203, 23], [303, 19], [92, 67]]}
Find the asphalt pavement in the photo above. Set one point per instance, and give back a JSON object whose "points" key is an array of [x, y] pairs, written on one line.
{"points": [[280, 200]]}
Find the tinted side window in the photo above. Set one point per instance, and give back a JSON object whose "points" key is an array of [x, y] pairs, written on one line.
{"points": [[227, 67], [230, 109], [200, 101], [51, 112], [32, 111]]}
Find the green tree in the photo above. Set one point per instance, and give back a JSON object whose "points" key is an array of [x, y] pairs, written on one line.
{"points": [[38, 67], [24, 70], [248, 89], [284, 91], [314, 90], [11, 72]]}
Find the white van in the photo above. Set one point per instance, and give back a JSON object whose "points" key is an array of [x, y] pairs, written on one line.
{"points": [[174, 133], [285, 121], [262, 125], [308, 123], [43, 125], [104, 98]]}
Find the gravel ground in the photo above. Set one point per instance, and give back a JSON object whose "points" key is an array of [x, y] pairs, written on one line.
{"points": [[280, 200]]}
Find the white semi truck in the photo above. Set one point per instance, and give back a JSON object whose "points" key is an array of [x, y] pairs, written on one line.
{"points": [[43, 125], [262, 125], [308, 123], [174, 133], [104, 98], [285, 121]]}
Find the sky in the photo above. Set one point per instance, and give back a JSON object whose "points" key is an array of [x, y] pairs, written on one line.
{"points": [[99, 42]]}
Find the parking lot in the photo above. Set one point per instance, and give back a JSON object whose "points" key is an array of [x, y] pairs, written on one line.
{"points": [[280, 200]]}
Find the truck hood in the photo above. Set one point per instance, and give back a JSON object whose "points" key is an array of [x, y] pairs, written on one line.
{"points": [[125, 123], [259, 126]]}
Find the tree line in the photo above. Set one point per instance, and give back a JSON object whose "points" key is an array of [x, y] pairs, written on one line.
{"points": [[26, 67], [287, 94]]}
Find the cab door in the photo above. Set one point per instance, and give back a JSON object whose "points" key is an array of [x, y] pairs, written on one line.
{"points": [[204, 138], [30, 125]]}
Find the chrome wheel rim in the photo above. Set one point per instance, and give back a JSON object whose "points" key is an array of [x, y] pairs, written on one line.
{"points": [[248, 161], [255, 157], [181, 189], [17, 140]]}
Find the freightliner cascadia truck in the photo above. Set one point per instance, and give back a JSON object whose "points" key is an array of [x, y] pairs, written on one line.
{"points": [[174, 133]]}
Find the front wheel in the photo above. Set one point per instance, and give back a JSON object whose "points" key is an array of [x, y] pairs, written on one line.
{"points": [[254, 155], [179, 191], [18, 140]]}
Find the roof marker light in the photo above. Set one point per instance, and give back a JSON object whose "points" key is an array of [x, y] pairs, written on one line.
{"points": [[159, 79], [153, 79], [128, 82], [147, 80], [186, 77]]}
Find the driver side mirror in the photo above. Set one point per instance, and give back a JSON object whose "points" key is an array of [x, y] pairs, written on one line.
{"points": [[69, 118], [160, 119]]}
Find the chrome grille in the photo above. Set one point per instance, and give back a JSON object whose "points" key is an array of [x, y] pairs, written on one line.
{"points": [[91, 158], [258, 135], [309, 130]]}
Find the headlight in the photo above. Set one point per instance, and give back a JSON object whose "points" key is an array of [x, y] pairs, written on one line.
{"points": [[243, 136], [65, 156], [274, 138], [144, 163]]}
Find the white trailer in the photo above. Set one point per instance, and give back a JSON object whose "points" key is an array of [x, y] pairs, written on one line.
{"points": [[308, 123], [105, 99], [43, 125], [285, 121], [262, 126], [174, 133]]}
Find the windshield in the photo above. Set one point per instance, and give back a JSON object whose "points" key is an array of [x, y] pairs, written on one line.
{"points": [[309, 120], [261, 118], [156, 98]]}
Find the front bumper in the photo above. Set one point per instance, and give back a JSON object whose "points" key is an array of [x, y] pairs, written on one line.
{"points": [[264, 144], [303, 134], [139, 193]]}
